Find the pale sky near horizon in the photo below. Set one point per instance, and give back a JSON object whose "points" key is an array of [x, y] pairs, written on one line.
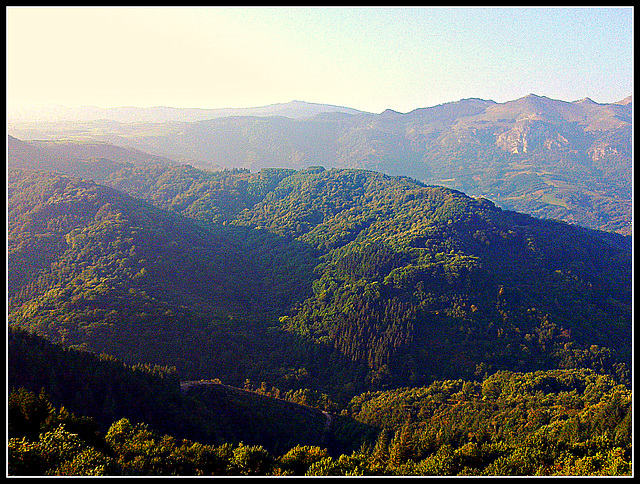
{"points": [[365, 58]]}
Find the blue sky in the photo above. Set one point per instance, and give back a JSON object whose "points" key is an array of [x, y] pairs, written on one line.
{"points": [[366, 58]]}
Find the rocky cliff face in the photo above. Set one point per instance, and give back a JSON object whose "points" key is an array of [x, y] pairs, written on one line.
{"points": [[528, 134]]}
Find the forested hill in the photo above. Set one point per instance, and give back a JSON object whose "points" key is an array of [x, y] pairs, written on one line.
{"points": [[91, 266], [420, 281], [337, 280], [106, 390], [556, 422]]}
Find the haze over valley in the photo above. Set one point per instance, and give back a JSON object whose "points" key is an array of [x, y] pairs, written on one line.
{"points": [[551, 158], [420, 266]]}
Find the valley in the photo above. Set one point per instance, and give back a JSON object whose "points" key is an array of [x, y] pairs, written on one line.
{"points": [[442, 292], [501, 151]]}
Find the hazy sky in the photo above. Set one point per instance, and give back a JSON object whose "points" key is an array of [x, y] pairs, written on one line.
{"points": [[366, 58]]}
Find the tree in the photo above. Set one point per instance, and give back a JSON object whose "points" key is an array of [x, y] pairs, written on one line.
{"points": [[250, 460]]}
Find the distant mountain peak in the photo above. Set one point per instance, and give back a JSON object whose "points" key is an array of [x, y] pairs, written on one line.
{"points": [[587, 100], [390, 112]]}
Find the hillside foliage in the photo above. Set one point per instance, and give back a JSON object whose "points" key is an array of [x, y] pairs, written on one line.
{"points": [[372, 325], [558, 422], [359, 276]]}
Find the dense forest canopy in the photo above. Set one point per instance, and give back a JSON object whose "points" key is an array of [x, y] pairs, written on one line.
{"points": [[557, 422], [165, 319], [378, 275]]}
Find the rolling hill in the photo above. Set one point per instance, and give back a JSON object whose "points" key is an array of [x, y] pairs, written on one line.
{"points": [[85, 160], [338, 280], [109, 272]]}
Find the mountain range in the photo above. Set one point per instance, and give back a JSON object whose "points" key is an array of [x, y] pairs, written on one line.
{"points": [[26, 113], [307, 296], [549, 158]]}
